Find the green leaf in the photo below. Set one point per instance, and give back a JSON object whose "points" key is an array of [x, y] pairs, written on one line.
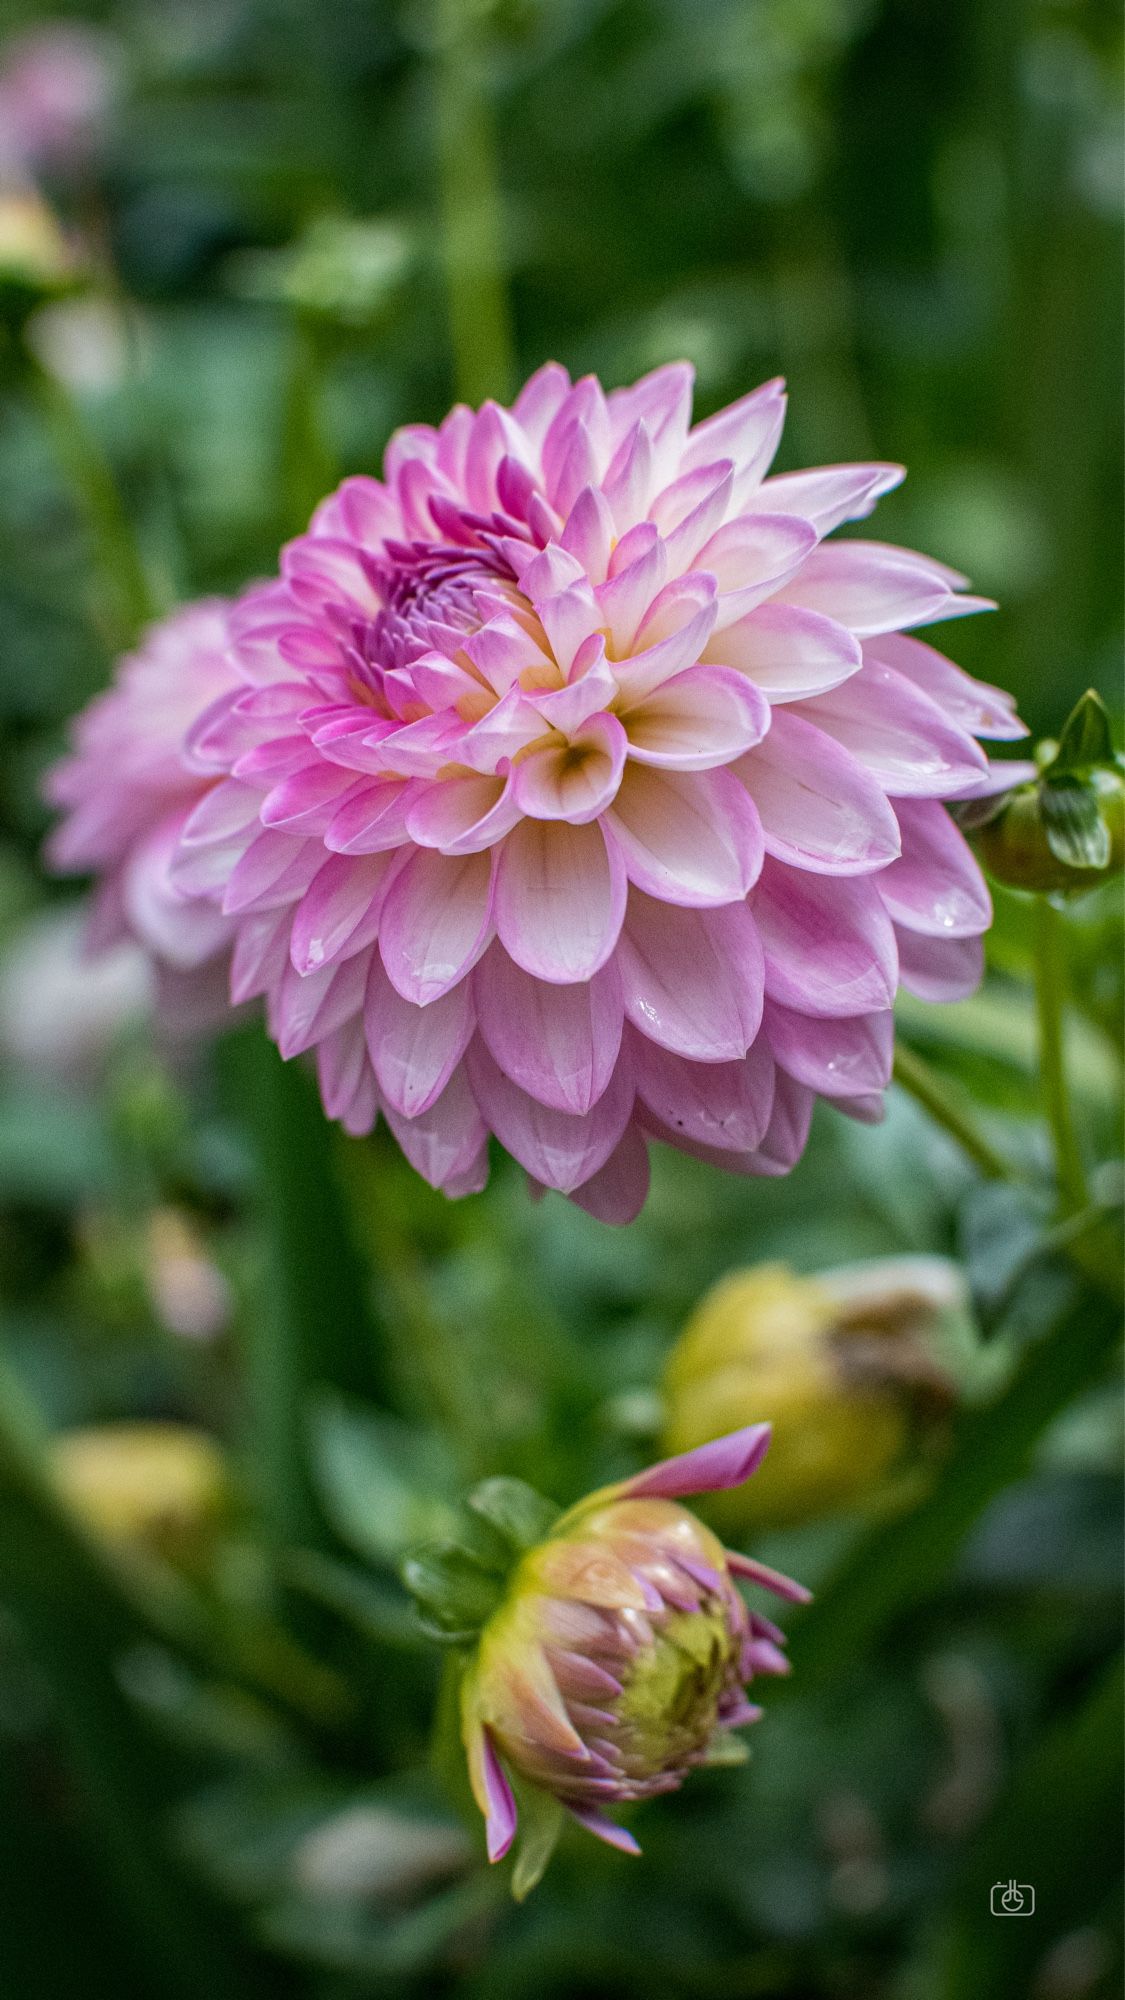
{"points": [[518, 1513], [1076, 831], [386, 1485], [1086, 737]]}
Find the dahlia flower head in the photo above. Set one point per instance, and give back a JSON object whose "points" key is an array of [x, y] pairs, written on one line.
{"points": [[572, 788], [617, 1658]]}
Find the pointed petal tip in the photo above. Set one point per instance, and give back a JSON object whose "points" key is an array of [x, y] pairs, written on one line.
{"points": [[710, 1468], [605, 1829]]}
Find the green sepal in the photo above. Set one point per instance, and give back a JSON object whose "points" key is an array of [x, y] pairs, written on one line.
{"points": [[515, 1510], [541, 1820], [726, 1750], [454, 1591], [1086, 741], [1076, 832]]}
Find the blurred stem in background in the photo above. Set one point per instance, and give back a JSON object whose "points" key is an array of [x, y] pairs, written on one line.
{"points": [[309, 466], [1050, 995], [945, 1105], [91, 480], [471, 206]]}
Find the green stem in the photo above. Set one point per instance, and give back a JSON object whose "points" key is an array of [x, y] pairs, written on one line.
{"points": [[1050, 990], [309, 468], [311, 1324], [472, 212], [946, 1106], [95, 489]]}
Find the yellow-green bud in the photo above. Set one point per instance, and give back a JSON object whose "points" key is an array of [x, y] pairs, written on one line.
{"points": [[841, 1365], [151, 1489]]}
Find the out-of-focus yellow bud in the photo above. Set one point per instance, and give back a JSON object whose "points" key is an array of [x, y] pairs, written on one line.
{"points": [[150, 1489], [36, 261], [841, 1364]]}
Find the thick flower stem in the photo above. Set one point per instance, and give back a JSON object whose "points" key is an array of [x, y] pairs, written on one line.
{"points": [[1050, 990], [471, 208], [947, 1108], [94, 487]]}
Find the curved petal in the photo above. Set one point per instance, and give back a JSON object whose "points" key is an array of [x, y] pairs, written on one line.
{"points": [[573, 781], [555, 1147], [445, 1143], [934, 968], [436, 922], [790, 654], [829, 944], [691, 838], [899, 734], [871, 588], [559, 1043], [819, 808], [617, 1192], [339, 911], [414, 1050], [936, 887], [752, 557], [697, 720], [692, 979], [306, 1010], [560, 898], [723, 1105], [836, 1058], [973, 705], [462, 815], [826, 495]]}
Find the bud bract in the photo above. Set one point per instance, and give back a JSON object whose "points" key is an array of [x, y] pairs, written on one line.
{"points": [[842, 1362], [615, 1655]]}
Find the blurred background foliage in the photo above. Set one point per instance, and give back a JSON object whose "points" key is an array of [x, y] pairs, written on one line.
{"points": [[214, 1722]]}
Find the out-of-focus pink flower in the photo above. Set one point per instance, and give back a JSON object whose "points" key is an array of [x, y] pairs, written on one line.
{"points": [[57, 84], [618, 1657], [60, 1017], [127, 788]]}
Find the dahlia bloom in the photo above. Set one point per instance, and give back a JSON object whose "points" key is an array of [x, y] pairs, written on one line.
{"points": [[617, 1659], [568, 786], [127, 789]]}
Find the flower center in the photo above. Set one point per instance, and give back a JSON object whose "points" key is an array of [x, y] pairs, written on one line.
{"points": [[669, 1707], [428, 591]]}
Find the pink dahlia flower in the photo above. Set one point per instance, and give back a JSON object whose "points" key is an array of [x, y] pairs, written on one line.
{"points": [[573, 789], [127, 789], [617, 1660]]}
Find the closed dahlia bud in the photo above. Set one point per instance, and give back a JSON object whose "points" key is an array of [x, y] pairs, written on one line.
{"points": [[126, 788], [157, 1489], [843, 1361], [1063, 832], [616, 1652]]}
